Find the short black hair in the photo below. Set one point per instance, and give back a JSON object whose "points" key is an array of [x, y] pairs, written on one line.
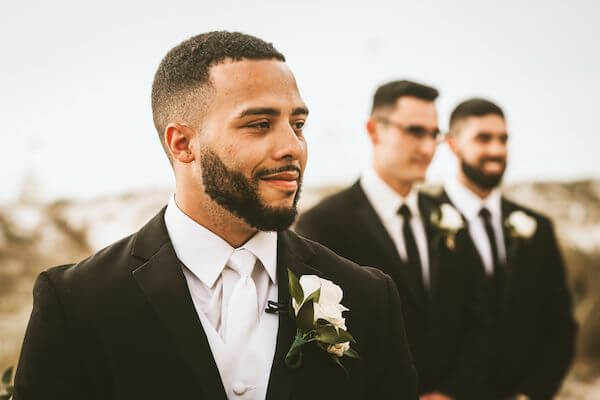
{"points": [[475, 107], [184, 71], [387, 94]]}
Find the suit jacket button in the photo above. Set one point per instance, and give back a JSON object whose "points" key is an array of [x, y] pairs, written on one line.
{"points": [[239, 388]]}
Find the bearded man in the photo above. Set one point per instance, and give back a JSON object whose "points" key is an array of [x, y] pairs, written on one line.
{"points": [[196, 304], [533, 333]]}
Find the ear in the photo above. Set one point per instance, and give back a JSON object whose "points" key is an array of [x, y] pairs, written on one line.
{"points": [[372, 130], [178, 139], [451, 141]]}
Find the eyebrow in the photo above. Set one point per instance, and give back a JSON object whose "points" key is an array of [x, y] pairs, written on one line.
{"points": [[270, 111], [300, 111], [488, 133]]}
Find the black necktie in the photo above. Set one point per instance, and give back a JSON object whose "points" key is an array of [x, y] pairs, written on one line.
{"points": [[412, 252], [498, 280]]}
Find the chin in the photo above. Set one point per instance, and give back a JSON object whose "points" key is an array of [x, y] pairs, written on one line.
{"points": [[281, 201], [417, 177], [281, 205]]}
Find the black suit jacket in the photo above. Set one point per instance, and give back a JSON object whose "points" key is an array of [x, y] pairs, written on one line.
{"points": [[447, 334], [534, 334], [122, 325]]}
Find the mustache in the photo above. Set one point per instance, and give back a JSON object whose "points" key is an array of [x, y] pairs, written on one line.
{"points": [[270, 171], [498, 159]]}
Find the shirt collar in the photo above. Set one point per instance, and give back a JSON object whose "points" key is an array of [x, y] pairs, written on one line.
{"points": [[385, 200], [205, 254], [468, 203]]}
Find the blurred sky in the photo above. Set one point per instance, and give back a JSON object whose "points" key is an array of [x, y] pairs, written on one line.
{"points": [[75, 79]]}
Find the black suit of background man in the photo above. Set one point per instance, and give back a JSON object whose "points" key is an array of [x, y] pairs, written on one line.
{"points": [[122, 325], [533, 329], [446, 332], [534, 333]]}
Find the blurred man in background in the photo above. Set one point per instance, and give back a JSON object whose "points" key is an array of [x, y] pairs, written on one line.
{"points": [[383, 221], [533, 328]]}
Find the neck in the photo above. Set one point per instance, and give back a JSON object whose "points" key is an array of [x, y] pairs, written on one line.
{"points": [[480, 192], [199, 207], [401, 187]]}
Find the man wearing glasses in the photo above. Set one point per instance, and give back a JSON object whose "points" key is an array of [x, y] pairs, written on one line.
{"points": [[382, 220]]}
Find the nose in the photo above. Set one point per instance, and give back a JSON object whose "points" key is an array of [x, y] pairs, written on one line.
{"points": [[428, 146], [288, 145], [497, 148]]}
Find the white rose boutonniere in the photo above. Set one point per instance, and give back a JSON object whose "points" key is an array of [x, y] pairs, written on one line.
{"points": [[521, 225], [449, 221], [318, 310]]}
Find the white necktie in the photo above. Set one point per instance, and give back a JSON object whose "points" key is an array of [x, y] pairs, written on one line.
{"points": [[242, 311]]}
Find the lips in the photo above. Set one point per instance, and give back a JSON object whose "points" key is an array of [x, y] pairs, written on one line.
{"points": [[286, 180]]}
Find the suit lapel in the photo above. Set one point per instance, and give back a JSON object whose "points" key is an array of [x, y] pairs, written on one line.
{"points": [[292, 253], [162, 282], [511, 253], [426, 209], [377, 233], [445, 199]]}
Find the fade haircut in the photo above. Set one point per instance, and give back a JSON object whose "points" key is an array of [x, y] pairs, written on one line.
{"points": [[387, 94], [475, 107], [181, 86]]}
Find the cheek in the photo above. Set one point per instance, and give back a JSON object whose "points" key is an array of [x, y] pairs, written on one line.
{"points": [[394, 149], [303, 155]]}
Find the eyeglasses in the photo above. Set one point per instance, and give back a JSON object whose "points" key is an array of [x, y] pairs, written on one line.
{"points": [[418, 132]]}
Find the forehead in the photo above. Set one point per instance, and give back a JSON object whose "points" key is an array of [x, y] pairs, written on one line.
{"points": [[245, 83], [490, 123], [413, 110]]}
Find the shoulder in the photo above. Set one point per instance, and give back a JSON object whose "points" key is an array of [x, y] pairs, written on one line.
{"points": [[100, 271], [541, 219], [331, 215], [343, 271], [332, 204]]}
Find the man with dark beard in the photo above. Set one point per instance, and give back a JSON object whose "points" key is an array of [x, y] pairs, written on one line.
{"points": [[534, 330], [197, 304]]}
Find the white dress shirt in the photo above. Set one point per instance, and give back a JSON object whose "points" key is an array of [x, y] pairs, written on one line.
{"points": [[469, 205], [244, 371], [386, 202]]}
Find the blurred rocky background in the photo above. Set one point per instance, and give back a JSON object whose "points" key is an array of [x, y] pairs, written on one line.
{"points": [[36, 235]]}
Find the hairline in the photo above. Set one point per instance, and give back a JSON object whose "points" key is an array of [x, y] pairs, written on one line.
{"points": [[460, 121]]}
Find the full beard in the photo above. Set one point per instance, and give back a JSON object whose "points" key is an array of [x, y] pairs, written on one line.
{"points": [[478, 177], [240, 195]]}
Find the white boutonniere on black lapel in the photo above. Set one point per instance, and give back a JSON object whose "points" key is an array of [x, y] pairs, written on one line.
{"points": [[520, 225], [449, 221], [318, 310]]}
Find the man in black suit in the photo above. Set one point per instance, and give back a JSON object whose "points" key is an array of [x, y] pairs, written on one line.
{"points": [[533, 327], [178, 309], [383, 221]]}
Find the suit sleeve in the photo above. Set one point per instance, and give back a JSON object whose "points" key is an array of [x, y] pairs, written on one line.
{"points": [[398, 379], [559, 325], [468, 377], [49, 366]]}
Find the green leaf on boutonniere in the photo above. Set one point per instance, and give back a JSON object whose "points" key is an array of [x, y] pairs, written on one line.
{"points": [[351, 353], [295, 288], [314, 296], [328, 334], [306, 316], [293, 358], [346, 336]]}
